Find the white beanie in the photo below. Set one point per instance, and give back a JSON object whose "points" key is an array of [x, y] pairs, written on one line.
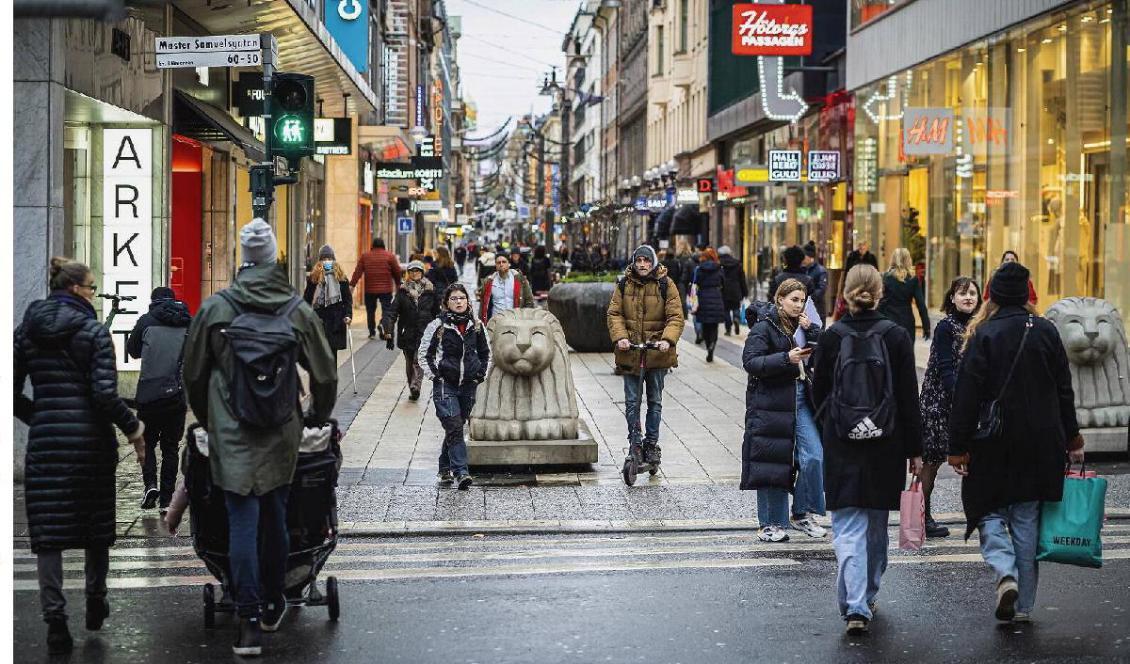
{"points": [[257, 243]]}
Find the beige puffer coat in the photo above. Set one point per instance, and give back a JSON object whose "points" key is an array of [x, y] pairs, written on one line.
{"points": [[642, 314]]}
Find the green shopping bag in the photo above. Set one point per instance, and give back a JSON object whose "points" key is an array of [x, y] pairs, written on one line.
{"points": [[1070, 529]]}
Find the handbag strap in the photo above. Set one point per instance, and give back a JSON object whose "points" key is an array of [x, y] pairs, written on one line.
{"points": [[1016, 360]]}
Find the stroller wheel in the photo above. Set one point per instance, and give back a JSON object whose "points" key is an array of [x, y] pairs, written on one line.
{"points": [[332, 598], [209, 605]]}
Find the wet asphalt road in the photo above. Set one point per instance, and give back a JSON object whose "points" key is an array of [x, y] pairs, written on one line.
{"points": [[698, 598]]}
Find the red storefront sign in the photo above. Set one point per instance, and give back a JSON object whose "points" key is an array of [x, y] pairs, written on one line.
{"points": [[705, 185], [772, 30]]}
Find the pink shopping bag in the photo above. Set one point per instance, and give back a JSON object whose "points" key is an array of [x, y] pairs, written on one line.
{"points": [[912, 517]]}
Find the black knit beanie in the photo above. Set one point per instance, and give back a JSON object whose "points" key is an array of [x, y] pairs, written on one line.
{"points": [[1009, 285], [162, 293]]}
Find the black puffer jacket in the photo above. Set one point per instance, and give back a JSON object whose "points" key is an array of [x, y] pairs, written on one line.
{"points": [[410, 316], [708, 282], [454, 357], [734, 286], [770, 403], [72, 451]]}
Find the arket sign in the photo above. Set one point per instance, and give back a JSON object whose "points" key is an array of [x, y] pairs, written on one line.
{"points": [[772, 29], [127, 231], [784, 165]]}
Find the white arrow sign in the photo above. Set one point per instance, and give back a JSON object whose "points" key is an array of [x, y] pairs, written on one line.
{"points": [[775, 101]]}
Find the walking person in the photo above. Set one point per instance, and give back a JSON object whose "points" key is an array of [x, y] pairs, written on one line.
{"points": [[1015, 357], [706, 291], [541, 272], [865, 459], [819, 276], [504, 290], [253, 436], [734, 288], [781, 452], [442, 273], [158, 341], [69, 467], [460, 254], [455, 355], [415, 306], [961, 302], [794, 269], [327, 291], [901, 287], [645, 307], [381, 270], [1010, 256]]}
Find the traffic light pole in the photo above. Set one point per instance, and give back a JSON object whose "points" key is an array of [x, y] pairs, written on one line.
{"points": [[263, 174]]}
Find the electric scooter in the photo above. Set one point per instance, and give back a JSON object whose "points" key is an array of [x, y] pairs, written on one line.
{"points": [[634, 463], [116, 308]]}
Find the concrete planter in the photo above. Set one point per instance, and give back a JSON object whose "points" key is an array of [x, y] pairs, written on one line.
{"points": [[582, 309]]}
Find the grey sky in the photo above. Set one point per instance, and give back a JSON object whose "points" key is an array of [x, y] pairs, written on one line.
{"points": [[503, 60]]}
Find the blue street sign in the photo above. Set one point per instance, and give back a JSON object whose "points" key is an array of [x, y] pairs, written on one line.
{"points": [[348, 22], [405, 225]]}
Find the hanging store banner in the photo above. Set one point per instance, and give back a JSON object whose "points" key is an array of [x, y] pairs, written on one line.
{"points": [[333, 135], [772, 29], [751, 175], [686, 196], [823, 165], [348, 22], [927, 131], [784, 165], [127, 230]]}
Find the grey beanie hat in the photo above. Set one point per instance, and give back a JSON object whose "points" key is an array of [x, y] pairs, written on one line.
{"points": [[257, 243], [415, 265], [326, 252], [647, 252]]}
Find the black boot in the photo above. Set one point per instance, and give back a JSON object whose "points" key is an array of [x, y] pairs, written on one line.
{"points": [[59, 641], [935, 529], [710, 352], [652, 454], [97, 610]]}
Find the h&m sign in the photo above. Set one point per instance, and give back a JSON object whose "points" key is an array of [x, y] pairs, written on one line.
{"points": [[127, 229]]}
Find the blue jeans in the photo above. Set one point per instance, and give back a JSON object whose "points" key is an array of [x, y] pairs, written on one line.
{"points": [[859, 537], [653, 383], [257, 548], [808, 492], [453, 408], [1013, 556]]}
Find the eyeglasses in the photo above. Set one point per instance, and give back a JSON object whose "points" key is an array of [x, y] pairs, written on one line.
{"points": [[93, 287], [456, 298]]}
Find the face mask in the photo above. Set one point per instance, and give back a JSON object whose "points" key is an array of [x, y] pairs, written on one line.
{"points": [[328, 266]]}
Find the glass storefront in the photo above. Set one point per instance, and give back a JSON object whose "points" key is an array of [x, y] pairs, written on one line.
{"points": [[1017, 142]]}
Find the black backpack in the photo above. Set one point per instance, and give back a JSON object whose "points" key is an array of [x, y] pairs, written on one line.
{"points": [[862, 404], [160, 383], [263, 380]]}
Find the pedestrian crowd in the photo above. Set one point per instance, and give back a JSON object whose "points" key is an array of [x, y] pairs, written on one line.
{"points": [[834, 416]]}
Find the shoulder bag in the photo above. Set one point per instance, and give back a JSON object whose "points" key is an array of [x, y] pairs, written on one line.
{"points": [[990, 421]]}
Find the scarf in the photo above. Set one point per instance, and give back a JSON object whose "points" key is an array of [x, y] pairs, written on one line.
{"points": [[458, 319], [326, 297], [80, 303], [417, 288]]}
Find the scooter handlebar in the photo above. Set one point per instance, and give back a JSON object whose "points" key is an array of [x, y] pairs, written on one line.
{"points": [[647, 345]]}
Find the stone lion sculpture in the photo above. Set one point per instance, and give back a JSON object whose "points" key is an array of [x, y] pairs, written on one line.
{"points": [[1095, 340], [528, 394]]}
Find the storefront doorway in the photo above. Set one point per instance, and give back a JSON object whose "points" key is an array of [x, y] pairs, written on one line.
{"points": [[186, 246]]}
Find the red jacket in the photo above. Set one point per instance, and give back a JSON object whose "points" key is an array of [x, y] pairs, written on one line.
{"points": [[381, 270]]}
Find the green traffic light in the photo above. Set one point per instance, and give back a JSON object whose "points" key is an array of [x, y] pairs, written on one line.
{"points": [[290, 129]]}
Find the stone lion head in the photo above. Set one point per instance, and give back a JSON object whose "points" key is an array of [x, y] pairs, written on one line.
{"points": [[523, 340], [1095, 341]]}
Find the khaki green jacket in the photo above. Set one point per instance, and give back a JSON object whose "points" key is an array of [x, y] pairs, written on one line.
{"points": [[243, 460], [642, 314]]}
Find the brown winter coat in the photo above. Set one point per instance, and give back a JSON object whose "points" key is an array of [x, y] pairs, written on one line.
{"points": [[642, 315]]}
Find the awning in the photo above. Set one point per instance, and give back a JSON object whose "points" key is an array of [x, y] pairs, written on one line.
{"points": [[305, 46], [204, 122], [663, 223], [686, 221], [387, 143]]}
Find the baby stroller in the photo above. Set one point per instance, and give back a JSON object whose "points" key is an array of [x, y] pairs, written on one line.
{"points": [[311, 521]]}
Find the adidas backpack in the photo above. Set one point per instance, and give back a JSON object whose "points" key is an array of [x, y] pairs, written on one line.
{"points": [[263, 380], [862, 404]]}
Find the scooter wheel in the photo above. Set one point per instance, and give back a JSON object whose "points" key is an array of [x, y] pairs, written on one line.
{"points": [[630, 471], [653, 470]]}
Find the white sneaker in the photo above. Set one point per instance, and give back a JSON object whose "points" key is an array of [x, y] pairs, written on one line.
{"points": [[773, 534], [808, 526]]}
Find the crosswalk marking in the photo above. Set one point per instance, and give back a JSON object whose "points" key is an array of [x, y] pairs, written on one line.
{"points": [[492, 556]]}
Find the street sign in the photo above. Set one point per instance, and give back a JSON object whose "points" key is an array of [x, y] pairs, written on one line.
{"points": [[823, 165], [405, 225], [784, 165], [213, 51]]}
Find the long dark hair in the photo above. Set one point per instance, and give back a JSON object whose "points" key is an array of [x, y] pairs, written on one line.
{"points": [[960, 285]]}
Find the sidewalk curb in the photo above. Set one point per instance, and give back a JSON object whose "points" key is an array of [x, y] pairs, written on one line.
{"points": [[552, 527]]}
